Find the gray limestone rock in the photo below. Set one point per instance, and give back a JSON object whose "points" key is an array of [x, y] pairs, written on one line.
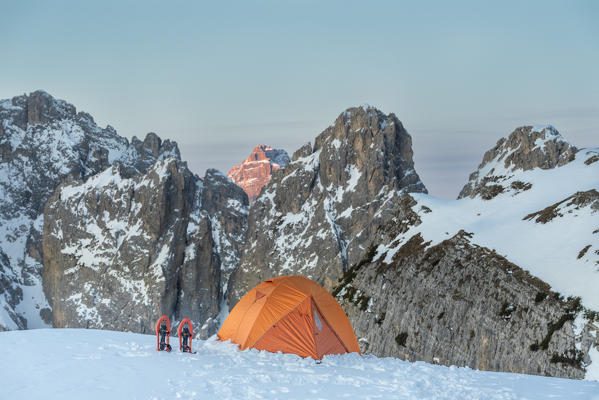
{"points": [[227, 205], [119, 252]]}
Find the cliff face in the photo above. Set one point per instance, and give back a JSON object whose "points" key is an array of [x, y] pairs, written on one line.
{"points": [[255, 171], [456, 303], [119, 251], [111, 244], [322, 210]]}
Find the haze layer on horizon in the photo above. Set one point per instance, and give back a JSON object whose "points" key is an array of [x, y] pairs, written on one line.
{"points": [[221, 78]]}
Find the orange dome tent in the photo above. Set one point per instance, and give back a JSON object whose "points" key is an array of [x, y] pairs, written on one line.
{"points": [[291, 314]]}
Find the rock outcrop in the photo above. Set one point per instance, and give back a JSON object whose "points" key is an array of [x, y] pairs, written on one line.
{"points": [[456, 303], [526, 148], [227, 206], [255, 171], [578, 200], [111, 247], [322, 210]]}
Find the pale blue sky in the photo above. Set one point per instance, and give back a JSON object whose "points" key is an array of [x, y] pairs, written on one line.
{"points": [[220, 77]]}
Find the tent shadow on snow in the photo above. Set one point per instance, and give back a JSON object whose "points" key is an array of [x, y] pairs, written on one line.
{"points": [[291, 314]]}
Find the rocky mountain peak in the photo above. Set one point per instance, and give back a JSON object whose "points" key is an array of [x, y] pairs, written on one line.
{"points": [[531, 147], [44, 142], [526, 148], [319, 213], [42, 108], [366, 137], [365, 116], [155, 147], [254, 172], [264, 152], [36, 108]]}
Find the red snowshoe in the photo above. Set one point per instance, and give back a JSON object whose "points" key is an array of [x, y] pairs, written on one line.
{"points": [[163, 331], [185, 333]]}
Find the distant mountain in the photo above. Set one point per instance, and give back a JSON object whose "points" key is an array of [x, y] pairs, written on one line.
{"points": [[255, 171]]}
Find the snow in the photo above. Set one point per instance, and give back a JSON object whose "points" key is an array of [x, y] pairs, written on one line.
{"points": [[108, 177], [293, 235], [338, 191], [310, 161], [5, 319], [33, 300], [236, 205], [541, 128], [7, 105], [93, 364], [593, 369], [347, 212], [161, 260], [354, 177]]}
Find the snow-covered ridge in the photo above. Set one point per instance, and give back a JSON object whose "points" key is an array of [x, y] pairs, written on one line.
{"points": [[543, 228]]}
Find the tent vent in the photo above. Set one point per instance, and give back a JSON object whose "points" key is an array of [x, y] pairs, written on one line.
{"points": [[317, 320]]}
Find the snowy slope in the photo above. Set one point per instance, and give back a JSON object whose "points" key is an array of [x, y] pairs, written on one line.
{"points": [[549, 249], [91, 364]]}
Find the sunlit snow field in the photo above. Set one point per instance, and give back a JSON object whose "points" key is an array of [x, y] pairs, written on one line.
{"points": [[93, 364]]}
